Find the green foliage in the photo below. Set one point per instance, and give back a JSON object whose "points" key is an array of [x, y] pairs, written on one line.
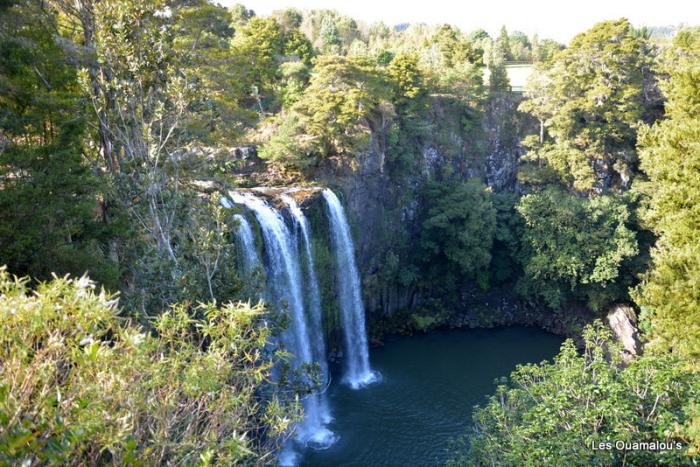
{"points": [[554, 413], [520, 47], [80, 385], [294, 78], [507, 238], [670, 156], [49, 204], [457, 231], [407, 78], [543, 51], [535, 174], [240, 15], [456, 109], [297, 45], [455, 50], [289, 18], [206, 259], [424, 323], [346, 100], [329, 32], [201, 45], [495, 60], [330, 37], [591, 99], [287, 146], [385, 92], [140, 100], [574, 248], [84, 153], [259, 52], [207, 243], [410, 128], [258, 45], [504, 42]]}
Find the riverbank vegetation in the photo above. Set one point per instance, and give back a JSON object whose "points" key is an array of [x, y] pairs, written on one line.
{"points": [[589, 408], [118, 120]]}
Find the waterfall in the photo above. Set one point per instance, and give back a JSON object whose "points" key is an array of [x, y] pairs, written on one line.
{"points": [[285, 286], [358, 372], [249, 254], [318, 344]]}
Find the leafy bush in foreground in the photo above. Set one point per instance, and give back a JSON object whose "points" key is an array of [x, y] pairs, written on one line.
{"points": [[553, 413], [79, 385]]}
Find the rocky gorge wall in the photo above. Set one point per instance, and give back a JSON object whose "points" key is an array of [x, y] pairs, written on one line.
{"points": [[385, 208]]}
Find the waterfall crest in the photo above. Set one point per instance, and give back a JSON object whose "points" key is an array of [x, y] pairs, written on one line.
{"points": [[358, 372], [285, 287]]}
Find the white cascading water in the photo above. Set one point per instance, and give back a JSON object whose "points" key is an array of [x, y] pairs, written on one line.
{"points": [[284, 279], [249, 255], [313, 303], [358, 372]]}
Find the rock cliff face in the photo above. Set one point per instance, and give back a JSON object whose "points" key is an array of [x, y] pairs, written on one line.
{"points": [[384, 208], [623, 322], [503, 132]]}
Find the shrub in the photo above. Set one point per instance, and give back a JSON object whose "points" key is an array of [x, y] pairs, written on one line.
{"points": [[553, 413], [80, 385]]}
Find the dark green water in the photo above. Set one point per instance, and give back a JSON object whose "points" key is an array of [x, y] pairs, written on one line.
{"points": [[430, 383]]}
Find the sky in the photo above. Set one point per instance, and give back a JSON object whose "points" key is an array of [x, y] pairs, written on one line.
{"points": [[553, 19]]}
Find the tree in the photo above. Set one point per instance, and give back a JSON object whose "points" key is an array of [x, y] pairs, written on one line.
{"points": [[457, 231], [408, 81], [146, 88], [346, 103], [507, 239], [208, 242], [543, 51], [598, 91], [258, 46], [478, 35], [378, 31], [574, 248], [330, 37], [49, 204], [405, 73], [453, 48], [496, 62], [557, 413], [520, 46], [504, 41], [289, 19], [140, 99], [670, 156], [240, 15], [218, 107], [297, 45]]}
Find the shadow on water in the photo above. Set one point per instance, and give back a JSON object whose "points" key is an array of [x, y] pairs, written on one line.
{"points": [[430, 384]]}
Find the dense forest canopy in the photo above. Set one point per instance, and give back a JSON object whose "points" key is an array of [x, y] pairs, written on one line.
{"points": [[115, 113]]}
